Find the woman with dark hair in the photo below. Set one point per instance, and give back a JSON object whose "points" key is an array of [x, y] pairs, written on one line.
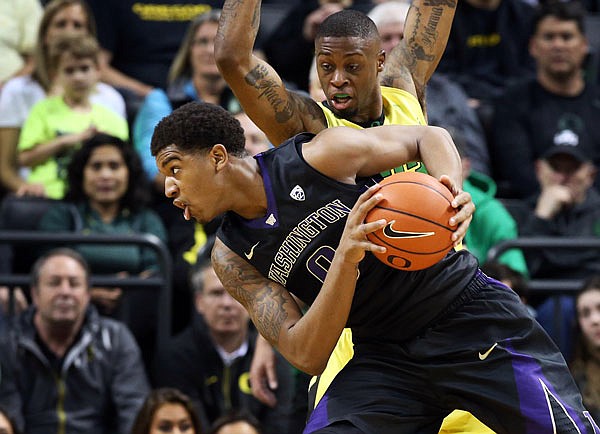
{"points": [[167, 410], [107, 194], [105, 183], [586, 361]]}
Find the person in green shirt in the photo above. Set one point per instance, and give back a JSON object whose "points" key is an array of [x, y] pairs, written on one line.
{"points": [[58, 124]]}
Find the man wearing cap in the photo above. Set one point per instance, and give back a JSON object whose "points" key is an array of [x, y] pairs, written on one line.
{"points": [[568, 205]]}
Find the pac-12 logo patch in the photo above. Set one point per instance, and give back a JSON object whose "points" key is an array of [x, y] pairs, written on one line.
{"points": [[297, 193]]}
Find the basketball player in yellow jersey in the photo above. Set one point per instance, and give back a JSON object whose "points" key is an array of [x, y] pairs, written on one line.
{"points": [[350, 66]]}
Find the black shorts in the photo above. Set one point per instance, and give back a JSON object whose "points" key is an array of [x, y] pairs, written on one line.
{"points": [[488, 356]]}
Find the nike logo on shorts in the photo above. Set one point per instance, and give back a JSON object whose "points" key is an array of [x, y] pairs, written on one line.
{"points": [[487, 353]]}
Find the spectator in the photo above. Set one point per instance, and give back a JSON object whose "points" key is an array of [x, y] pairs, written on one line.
{"points": [[214, 355], [139, 41], [586, 363], [556, 107], [487, 48], [7, 425], [64, 356], [567, 206], [492, 223], [20, 19], [167, 411], [61, 17], [446, 102], [57, 125], [236, 422], [105, 184], [256, 140]]}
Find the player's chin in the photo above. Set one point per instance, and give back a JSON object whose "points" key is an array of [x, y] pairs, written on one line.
{"points": [[345, 111]]}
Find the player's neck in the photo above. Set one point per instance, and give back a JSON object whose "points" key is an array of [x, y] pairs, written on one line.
{"points": [[249, 195]]}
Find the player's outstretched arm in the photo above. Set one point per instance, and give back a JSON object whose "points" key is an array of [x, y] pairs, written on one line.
{"points": [[277, 111], [305, 341], [413, 61], [344, 153]]}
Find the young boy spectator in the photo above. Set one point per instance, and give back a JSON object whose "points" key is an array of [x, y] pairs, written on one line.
{"points": [[57, 125]]}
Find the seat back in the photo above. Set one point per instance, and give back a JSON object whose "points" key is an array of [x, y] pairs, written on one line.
{"points": [[23, 213]]}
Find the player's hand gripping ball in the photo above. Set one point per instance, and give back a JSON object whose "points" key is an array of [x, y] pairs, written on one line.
{"points": [[417, 208]]}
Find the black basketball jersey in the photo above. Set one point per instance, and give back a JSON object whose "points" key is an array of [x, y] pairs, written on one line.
{"points": [[294, 243]]}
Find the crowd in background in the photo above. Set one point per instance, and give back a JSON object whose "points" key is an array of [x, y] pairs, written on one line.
{"points": [[84, 82]]}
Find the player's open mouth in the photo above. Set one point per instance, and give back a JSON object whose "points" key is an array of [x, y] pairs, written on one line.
{"points": [[341, 100], [187, 214]]}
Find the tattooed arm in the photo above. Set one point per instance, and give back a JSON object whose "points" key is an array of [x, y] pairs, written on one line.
{"points": [[411, 64], [306, 341], [280, 113]]}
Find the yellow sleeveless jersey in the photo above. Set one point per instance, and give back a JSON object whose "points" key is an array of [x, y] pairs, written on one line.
{"points": [[399, 108]]}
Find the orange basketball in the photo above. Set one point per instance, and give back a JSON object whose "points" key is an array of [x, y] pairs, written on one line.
{"points": [[417, 208]]}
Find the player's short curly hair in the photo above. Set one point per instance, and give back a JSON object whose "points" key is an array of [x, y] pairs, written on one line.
{"points": [[348, 23], [198, 126]]}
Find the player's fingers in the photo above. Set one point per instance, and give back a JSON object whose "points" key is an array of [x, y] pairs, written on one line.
{"points": [[447, 181], [462, 198], [262, 393], [465, 213], [368, 228], [367, 195], [366, 202], [368, 246], [459, 234]]}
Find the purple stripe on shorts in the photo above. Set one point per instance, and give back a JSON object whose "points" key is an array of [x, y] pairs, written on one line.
{"points": [[318, 418], [533, 399]]}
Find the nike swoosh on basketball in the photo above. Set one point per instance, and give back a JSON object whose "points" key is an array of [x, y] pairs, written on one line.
{"points": [[390, 232], [487, 353], [250, 254]]}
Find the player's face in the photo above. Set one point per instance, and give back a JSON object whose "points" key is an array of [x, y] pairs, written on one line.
{"points": [[588, 315], [172, 418], [558, 47], [61, 295], [223, 314], [105, 176], [192, 182], [348, 70], [77, 76], [70, 20], [202, 50]]}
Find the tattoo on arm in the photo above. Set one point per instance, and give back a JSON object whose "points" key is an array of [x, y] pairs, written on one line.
{"points": [[264, 300], [269, 88]]}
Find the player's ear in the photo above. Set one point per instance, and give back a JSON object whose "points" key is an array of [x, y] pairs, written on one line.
{"points": [[218, 156], [381, 60]]}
